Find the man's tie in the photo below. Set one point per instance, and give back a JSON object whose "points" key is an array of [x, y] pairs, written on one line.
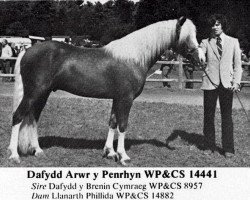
{"points": [[219, 46]]}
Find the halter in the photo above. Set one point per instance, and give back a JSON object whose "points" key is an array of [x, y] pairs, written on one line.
{"points": [[178, 32]]}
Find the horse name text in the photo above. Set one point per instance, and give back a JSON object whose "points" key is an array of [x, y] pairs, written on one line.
{"points": [[44, 175], [78, 175], [124, 174]]}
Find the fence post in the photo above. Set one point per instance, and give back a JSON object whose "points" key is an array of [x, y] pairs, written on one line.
{"points": [[180, 76]]}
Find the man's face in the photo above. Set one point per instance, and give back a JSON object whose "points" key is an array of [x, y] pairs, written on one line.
{"points": [[4, 42], [217, 28]]}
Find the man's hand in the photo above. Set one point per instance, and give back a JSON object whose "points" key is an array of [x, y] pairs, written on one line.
{"points": [[235, 87], [197, 58], [201, 55]]}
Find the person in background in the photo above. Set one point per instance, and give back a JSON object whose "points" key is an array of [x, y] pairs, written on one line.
{"points": [[67, 41], [22, 48], [1, 62], [243, 56], [249, 63], [12, 62], [166, 69], [6, 53], [222, 78], [244, 59]]}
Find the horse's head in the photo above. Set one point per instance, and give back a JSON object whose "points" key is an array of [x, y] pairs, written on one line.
{"points": [[185, 40]]}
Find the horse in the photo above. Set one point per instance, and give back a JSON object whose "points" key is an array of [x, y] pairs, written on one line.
{"points": [[115, 71]]}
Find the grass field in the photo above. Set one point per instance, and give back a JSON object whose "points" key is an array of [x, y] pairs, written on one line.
{"points": [[73, 132]]}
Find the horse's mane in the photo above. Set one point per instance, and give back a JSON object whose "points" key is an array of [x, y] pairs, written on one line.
{"points": [[188, 32], [145, 44]]}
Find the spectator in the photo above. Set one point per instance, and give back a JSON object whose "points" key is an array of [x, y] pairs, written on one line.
{"points": [[12, 62], [249, 63], [6, 53], [243, 56], [1, 62], [166, 69], [22, 48], [188, 68]]}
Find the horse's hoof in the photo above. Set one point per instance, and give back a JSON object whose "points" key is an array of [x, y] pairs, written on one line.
{"points": [[13, 156], [170, 147], [109, 153], [15, 159], [111, 156], [40, 154], [105, 152], [125, 162], [123, 159]]}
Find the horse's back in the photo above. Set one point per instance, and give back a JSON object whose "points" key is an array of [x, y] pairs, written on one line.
{"points": [[81, 71]]}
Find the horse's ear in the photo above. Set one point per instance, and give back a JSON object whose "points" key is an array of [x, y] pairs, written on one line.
{"points": [[181, 21]]}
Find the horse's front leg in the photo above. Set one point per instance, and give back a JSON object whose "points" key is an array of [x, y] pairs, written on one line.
{"points": [[108, 148], [109, 151], [122, 113], [121, 152]]}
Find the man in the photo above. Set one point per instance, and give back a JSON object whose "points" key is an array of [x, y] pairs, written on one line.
{"points": [[6, 53], [166, 69], [1, 62], [222, 78]]}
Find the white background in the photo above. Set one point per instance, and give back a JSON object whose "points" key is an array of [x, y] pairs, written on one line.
{"points": [[231, 184]]}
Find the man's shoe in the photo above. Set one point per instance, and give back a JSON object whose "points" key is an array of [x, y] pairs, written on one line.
{"points": [[229, 155], [208, 152]]}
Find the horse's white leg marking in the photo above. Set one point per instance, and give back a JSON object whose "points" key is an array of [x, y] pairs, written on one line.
{"points": [[108, 148], [121, 147], [14, 143], [34, 139], [17, 97], [24, 137], [28, 138]]}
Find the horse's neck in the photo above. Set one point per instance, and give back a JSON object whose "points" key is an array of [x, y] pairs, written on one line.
{"points": [[146, 45], [150, 62], [157, 39]]}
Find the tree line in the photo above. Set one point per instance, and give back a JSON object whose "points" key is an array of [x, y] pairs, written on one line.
{"points": [[116, 18]]}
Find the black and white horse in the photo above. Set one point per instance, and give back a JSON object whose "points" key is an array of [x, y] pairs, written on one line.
{"points": [[116, 71]]}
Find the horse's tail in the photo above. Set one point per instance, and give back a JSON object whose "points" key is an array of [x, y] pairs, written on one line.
{"points": [[18, 88], [24, 132]]}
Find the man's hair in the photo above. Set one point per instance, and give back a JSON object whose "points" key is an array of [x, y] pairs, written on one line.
{"points": [[5, 41], [220, 18]]}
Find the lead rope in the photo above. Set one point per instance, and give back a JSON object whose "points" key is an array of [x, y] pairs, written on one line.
{"points": [[242, 107], [216, 86]]}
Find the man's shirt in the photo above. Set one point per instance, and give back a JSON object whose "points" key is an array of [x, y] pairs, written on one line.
{"points": [[6, 51]]}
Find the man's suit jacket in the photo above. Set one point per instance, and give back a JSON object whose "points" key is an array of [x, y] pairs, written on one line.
{"points": [[226, 69]]}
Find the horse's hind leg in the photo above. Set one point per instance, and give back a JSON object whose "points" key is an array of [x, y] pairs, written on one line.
{"points": [[108, 148], [17, 125], [14, 143], [35, 113], [24, 131], [33, 137]]}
